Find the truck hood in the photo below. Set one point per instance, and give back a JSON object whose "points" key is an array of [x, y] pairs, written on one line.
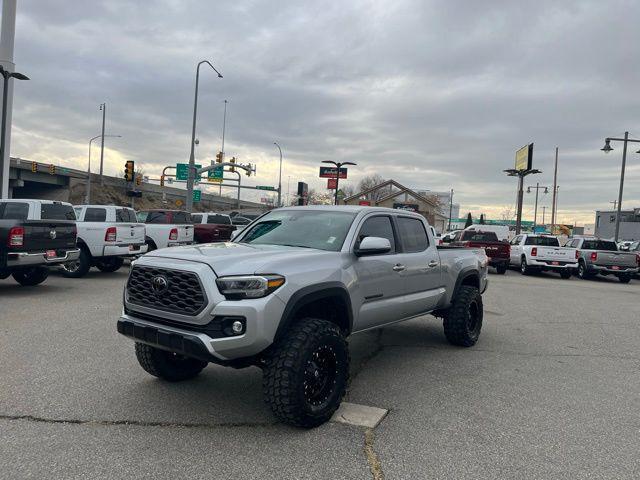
{"points": [[240, 259]]}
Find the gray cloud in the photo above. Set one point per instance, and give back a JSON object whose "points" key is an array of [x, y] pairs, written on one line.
{"points": [[436, 94]]}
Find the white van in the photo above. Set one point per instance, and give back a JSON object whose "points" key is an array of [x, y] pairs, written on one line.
{"points": [[502, 231]]}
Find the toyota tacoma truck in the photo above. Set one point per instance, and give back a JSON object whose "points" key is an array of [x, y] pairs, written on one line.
{"points": [[596, 256], [539, 253], [35, 234], [166, 228], [107, 234], [498, 251], [286, 294]]}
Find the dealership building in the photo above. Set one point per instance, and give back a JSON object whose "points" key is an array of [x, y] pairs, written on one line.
{"points": [[629, 224]]}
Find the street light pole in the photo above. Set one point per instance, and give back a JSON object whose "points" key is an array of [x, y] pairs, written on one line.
{"points": [[224, 128], [606, 149], [338, 166], [88, 195], [192, 157], [6, 75], [103, 107], [450, 209], [279, 177], [535, 211]]}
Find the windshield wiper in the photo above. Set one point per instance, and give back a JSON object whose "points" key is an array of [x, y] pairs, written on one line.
{"points": [[291, 245]]}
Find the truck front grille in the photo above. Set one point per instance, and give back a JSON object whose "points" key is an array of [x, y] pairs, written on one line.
{"points": [[174, 291]]}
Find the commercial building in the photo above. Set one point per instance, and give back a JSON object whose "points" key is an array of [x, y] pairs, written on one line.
{"points": [[392, 194], [629, 224]]}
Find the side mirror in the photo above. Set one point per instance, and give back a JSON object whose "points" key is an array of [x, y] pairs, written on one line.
{"points": [[373, 246]]}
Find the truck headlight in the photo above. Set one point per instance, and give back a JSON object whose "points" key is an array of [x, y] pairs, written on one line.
{"points": [[248, 286]]}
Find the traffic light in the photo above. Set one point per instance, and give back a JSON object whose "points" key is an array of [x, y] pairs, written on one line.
{"points": [[138, 180], [232, 169], [52, 169], [219, 157], [34, 167], [129, 170], [162, 180], [248, 172]]}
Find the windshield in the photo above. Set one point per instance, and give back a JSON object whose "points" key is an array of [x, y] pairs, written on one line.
{"points": [[542, 241], [301, 228], [480, 236], [600, 245]]}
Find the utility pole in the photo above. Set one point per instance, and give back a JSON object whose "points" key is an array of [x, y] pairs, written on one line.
{"points": [[279, 177], [544, 208], [555, 191], [6, 60], [103, 107], [450, 209], [615, 203], [224, 128]]}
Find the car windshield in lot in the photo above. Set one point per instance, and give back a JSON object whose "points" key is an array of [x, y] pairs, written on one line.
{"points": [[600, 245], [310, 229], [542, 241], [57, 211], [480, 237]]}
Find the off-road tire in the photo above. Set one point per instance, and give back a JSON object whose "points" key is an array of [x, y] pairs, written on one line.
{"points": [[78, 268], [624, 278], [29, 277], [463, 320], [109, 264], [565, 274], [501, 270], [524, 268], [291, 371], [167, 365]]}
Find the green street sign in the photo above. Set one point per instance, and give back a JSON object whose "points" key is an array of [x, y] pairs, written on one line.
{"points": [[266, 187], [216, 175], [197, 195], [182, 171]]}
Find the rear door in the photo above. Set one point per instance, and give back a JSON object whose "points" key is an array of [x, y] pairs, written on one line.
{"points": [[128, 230], [380, 285], [516, 250], [421, 272]]}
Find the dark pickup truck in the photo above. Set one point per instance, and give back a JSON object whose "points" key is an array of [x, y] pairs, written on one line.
{"points": [[497, 251], [33, 235], [212, 227]]}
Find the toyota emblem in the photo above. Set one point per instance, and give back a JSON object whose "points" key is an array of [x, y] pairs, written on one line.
{"points": [[52, 234], [159, 284]]}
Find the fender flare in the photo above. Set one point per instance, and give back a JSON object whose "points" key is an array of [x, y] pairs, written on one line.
{"points": [[307, 295], [465, 273]]}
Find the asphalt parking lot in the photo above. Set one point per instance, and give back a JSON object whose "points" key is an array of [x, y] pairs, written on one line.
{"points": [[551, 390]]}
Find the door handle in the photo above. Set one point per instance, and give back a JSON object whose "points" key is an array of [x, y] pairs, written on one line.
{"points": [[398, 268], [433, 263]]}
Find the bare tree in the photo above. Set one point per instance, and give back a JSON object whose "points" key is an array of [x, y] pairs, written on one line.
{"points": [[508, 213], [371, 181]]}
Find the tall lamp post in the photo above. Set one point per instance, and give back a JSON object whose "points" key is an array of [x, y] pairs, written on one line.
{"points": [[606, 149], [279, 177], [6, 75], [88, 195], [192, 157], [338, 166], [537, 188]]}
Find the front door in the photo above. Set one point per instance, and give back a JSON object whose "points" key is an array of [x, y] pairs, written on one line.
{"points": [[380, 285]]}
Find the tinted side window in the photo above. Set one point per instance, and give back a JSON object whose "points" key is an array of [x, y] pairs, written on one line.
{"points": [[196, 218], [95, 215], [157, 217], [378, 227], [413, 235], [56, 211], [219, 219], [126, 215], [14, 211], [180, 217]]}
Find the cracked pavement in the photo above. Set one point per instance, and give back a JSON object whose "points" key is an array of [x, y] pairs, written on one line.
{"points": [[552, 390]]}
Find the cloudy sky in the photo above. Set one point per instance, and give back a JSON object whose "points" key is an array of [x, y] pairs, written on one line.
{"points": [[435, 94]]}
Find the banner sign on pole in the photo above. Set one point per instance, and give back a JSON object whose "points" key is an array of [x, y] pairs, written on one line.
{"points": [[330, 172]]}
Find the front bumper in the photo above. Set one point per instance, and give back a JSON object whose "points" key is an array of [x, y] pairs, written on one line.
{"points": [[25, 259], [124, 250]]}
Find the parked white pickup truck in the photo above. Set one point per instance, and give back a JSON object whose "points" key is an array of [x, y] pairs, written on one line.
{"points": [[166, 228], [106, 235], [537, 253]]}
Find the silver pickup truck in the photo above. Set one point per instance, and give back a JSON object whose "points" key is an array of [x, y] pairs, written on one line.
{"points": [[290, 289], [597, 256]]}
